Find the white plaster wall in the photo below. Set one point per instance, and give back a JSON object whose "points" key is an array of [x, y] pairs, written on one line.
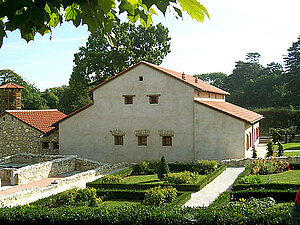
{"points": [[217, 135], [249, 129], [88, 135]]}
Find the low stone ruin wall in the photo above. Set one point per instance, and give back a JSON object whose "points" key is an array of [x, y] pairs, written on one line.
{"points": [[28, 158], [43, 170], [5, 173], [34, 193], [245, 162]]}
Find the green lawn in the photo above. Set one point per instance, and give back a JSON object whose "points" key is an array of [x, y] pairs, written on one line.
{"points": [[150, 179], [292, 146], [112, 204], [290, 153], [287, 177]]}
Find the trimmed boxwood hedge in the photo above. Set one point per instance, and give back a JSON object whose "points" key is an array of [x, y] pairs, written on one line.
{"points": [[278, 195], [140, 214], [179, 187]]}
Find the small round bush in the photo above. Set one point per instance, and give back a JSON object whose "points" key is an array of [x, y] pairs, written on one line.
{"points": [[158, 196], [186, 177], [252, 179], [111, 179]]}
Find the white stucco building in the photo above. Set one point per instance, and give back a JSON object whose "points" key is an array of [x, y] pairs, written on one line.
{"points": [[147, 111]]}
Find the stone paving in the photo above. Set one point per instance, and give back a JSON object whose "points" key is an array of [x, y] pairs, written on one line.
{"points": [[211, 191]]}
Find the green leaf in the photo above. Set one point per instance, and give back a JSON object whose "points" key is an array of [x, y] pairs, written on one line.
{"points": [[106, 5], [133, 2], [178, 11], [194, 9], [71, 12], [2, 32]]}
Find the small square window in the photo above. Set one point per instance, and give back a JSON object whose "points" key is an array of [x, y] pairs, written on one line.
{"points": [[128, 99], [166, 140], [141, 78], [153, 99], [118, 140], [55, 145], [45, 144], [142, 140]]}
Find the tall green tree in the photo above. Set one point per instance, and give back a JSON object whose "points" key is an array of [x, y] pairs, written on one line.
{"points": [[32, 16], [217, 79], [98, 61], [292, 75]]}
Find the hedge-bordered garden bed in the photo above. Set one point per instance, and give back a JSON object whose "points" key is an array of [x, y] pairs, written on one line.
{"points": [[180, 187]]}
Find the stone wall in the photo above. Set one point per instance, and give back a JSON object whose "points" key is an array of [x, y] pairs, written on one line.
{"points": [[28, 158], [18, 137], [5, 173], [43, 170]]}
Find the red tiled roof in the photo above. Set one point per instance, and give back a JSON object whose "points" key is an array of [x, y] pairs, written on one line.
{"points": [[38, 119], [72, 113], [188, 79], [233, 110], [11, 86]]}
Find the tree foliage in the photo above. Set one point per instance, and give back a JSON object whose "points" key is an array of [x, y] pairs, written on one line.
{"points": [[31, 16], [98, 61], [163, 168], [217, 79], [292, 75]]}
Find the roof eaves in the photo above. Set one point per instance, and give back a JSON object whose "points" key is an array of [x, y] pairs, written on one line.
{"points": [[72, 114], [236, 117]]}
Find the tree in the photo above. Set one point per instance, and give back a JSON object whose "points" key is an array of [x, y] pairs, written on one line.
{"points": [[163, 168], [98, 61], [292, 75], [31, 16], [70, 100], [51, 98], [217, 79]]}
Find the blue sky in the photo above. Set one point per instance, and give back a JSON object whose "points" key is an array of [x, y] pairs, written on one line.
{"points": [[235, 28]]}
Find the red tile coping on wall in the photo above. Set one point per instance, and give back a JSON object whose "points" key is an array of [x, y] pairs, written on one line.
{"points": [[41, 120], [196, 83], [11, 86], [233, 110]]}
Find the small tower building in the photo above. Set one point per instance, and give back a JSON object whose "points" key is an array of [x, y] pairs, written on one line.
{"points": [[10, 97]]}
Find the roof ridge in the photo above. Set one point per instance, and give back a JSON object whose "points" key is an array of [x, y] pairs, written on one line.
{"points": [[33, 110]]}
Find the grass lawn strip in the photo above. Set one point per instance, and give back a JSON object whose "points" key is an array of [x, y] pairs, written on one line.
{"points": [[292, 146], [151, 179], [114, 203], [290, 153], [287, 177]]}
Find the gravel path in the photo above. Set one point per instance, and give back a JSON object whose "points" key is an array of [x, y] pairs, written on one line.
{"points": [[211, 191]]}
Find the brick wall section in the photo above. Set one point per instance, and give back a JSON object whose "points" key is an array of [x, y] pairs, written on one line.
{"points": [[18, 137]]}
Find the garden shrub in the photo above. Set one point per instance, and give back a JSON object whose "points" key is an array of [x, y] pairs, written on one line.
{"points": [[163, 168], [222, 199], [205, 167], [252, 179], [140, 214], [111, 178], [254, 202], [160, 195], [280, 149], [270, 149], [73, 197], [145, 167], [269, 166], [186, 177]]}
